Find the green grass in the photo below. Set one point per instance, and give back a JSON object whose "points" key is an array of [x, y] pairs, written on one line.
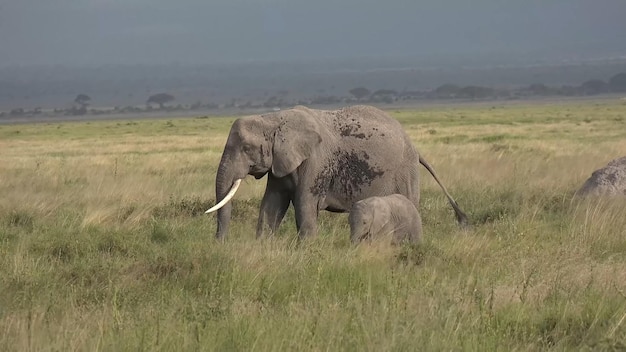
{"points": [[115, 128], [104, 244]]}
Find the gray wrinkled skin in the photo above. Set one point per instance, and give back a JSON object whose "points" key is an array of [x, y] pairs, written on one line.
{"points": [[393, 215], [609, 180], [319, 160]]}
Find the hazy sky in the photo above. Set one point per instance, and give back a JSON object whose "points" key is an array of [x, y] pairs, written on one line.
{"points": [[95, 32]]}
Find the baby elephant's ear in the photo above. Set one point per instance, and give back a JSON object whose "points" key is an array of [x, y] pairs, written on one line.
{"points": [[294, 141], [381, 214]]}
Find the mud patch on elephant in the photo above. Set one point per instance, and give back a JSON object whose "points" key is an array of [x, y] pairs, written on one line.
{"points": [[347, 173], [351, 128], [262, 155]]}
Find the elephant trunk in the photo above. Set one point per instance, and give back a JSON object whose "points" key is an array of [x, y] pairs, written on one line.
{"points": [[224, 186]]}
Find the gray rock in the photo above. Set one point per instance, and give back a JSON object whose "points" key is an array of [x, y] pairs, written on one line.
{"points": [[609, 180]]}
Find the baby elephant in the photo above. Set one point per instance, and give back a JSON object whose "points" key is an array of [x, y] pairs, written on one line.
{"points": [[380, 216]]}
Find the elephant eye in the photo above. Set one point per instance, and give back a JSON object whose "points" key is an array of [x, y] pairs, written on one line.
{"points": [[246, 148]]}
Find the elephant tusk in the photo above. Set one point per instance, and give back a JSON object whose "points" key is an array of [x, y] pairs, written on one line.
{"points": [[228, 197]]}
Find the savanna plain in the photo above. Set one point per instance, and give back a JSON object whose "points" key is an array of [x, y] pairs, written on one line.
{"points": [[104, 244]]}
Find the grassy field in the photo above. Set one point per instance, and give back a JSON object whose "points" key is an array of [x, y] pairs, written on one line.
{"points": [[104, 244]]}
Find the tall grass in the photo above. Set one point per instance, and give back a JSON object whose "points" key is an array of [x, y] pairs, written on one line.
{"points": [[104, 245]]}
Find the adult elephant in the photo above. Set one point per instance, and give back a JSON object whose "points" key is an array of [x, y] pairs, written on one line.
{"points": [[318, 160]]}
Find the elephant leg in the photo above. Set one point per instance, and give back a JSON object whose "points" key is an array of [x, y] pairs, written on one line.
{"points": [[415, 234], [306, 216], [273, 209]]}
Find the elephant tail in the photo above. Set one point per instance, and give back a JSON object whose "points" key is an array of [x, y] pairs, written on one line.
{"points": [[460, 215]]}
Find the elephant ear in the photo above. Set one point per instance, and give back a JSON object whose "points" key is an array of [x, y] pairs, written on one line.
{"points": [[381, 216], [295, 139]]}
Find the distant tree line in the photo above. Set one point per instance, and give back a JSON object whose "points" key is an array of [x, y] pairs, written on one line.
{"points": [[616, 84], [163, 101]]}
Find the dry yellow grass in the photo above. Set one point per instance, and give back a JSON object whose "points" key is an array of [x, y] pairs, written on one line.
{"points": [[103, 245]]}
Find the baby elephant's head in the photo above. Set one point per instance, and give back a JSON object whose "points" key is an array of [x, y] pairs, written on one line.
{"points": [[367, 218]]}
